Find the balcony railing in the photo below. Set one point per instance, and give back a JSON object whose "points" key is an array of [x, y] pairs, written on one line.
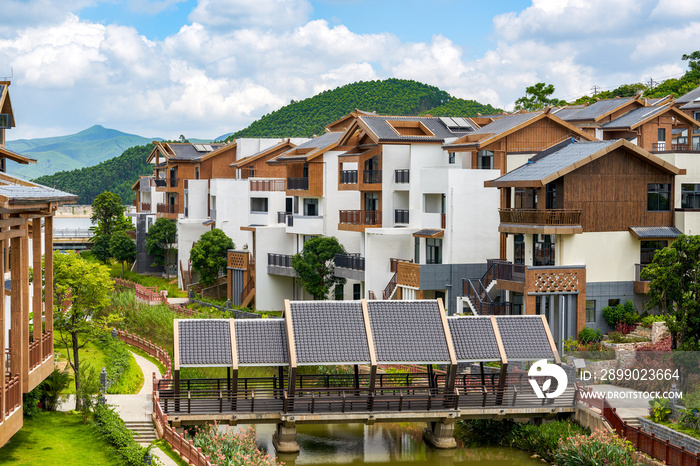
{"points": [[167, 208], [173, 182], [400, 216], [161, 182], [361, 217], [541, 217], [350, 261], [443, 221], [402, 176], [298, 184], [638, 272], [662, 146], [267, 185], [372, 176], [279, 260], [348, 177], [145, 207], [282, 216]]}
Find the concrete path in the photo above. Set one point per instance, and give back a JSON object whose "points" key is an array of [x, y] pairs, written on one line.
{"points": [[178, 300], [629, 403]]}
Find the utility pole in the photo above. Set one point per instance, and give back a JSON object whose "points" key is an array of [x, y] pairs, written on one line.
{"points": [[595, 89], [651, 83]]}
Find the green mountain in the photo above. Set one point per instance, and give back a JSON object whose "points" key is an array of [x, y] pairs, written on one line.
{"points": [[389, 97], [83, 149]]}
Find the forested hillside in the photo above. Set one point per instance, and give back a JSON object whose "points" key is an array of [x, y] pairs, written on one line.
{"points": [[390, 97], [116, 175]]}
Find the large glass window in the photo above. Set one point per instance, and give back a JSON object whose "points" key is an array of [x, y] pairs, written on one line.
{"points": [[658, 197], [356, 291], [310, 207], [690, 196], [451, 158], [649, 248], [484, 160], [258, 204], [433, 251], [416, 251], [519, 249], [590, 310], [543, 250], [551, 196]]}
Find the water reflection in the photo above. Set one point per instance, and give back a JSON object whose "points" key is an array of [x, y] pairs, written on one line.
{"points": [[396, 444]]}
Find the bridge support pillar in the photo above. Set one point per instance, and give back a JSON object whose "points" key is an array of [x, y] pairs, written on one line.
{"points": [[440, 434], [285, 438]]}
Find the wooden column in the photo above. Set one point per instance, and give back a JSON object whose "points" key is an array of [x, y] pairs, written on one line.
{"points": [[17, 341], [176, 363], [24, 280], [233, 389], [48, 275], [502, 378], [452, 369], [2, 334], [36, 267], [370, 344], [291, 349]]}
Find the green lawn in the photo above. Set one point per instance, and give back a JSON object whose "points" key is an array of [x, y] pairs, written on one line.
{"points": [[58, 439]]}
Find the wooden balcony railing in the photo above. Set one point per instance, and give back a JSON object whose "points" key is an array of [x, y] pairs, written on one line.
{"points": [[47, 344], [443, 221], [393, 263], [361, 217], [408, 274], [267, 185], [167, 208], [663, 147], [34, 354], [13, 394], [298, 184], [145, 207], [348, 177], [541, 217]]}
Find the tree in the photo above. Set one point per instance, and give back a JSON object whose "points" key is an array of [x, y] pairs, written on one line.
{"points": [[108, 214], [100, 248], [537, 97], [87, 286], [315, 266], [122, 248], [208, 255], [159, 241], [675, 289]]}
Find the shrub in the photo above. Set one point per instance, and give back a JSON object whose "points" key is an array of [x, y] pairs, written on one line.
{"points": [[690, 419], [659, 410], [622, 313], [118, 362], [544, 439], [599, 448], [588, 335], [649, 320], [624, 328], [228, 448], [112, 428]]}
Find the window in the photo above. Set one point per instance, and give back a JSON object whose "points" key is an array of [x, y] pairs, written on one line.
{"points": [[371, 202], [648, 249], [258, 204], [543, 249], [519, 249], [451, 158], [310, 207], [662, 135], [484, 160], [696, 117], [196, 172], [658, 197], [433, 251], [690, 196], [416, 251], [590, 310], [339, 291], [516, 307], [519, 198], [551, 196], [356, 291]]}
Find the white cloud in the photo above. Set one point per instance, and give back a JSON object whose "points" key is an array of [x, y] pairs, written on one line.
{"points": [[18, 14], [273, 14]]}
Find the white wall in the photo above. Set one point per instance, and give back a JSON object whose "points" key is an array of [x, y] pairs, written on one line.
{"points": [[381, 245], [608, 256], [691, 163], [271, 290], [198, 199], [188, 231]]}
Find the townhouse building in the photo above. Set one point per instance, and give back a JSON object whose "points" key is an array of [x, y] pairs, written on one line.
{"points": [[26, 232]]}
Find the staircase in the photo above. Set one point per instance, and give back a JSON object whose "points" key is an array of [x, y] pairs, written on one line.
{"points": [[477, 292], [248, 293], [144, 431]]}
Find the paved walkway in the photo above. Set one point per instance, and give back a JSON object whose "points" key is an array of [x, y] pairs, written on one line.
{"points": [[629, 403]]}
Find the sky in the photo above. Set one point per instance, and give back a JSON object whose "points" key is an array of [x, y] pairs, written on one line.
{"points": [[203, 68]]}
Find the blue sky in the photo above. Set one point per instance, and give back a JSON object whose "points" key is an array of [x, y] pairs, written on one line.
{"points": [[161, 68]]}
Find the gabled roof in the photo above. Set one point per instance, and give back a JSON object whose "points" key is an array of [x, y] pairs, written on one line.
{"points": [[280, 146], [639, 116], [539, 172], [8, 154], [659, 100], [310, 149], [343, 123], [387, 128], [187, 152], [509, 124], [600, 109], [16, 191], [5, 103], [689, 97]]}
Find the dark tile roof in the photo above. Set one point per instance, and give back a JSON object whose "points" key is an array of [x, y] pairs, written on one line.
{"points": [[329, 332], [524, 338], [690, 96], [379, 125], [34, 193], [190, 152], [637, 115], [261, 342], [565, 112], [427, 232], [506, 123], [314, 144], [205, 342], [656, 232], [408, 332], [596, 110], [556, 161], [692, 105], [473, 339]]}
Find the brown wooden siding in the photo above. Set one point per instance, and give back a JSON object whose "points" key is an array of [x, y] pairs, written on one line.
{"points": [[612, 193]]}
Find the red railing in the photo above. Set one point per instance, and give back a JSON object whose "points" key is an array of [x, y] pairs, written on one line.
{"points": [[590, 401], [360, 217], [390, 287], [647, 443], [267, 185], [145, 207], [34, 354], [13, 395], [47, 344], [154, 350], [540, 216], [167, 208], [150, 295]]}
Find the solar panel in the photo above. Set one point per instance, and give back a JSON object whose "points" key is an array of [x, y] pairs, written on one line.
{"points": [[208, 148], [199, 148], [462, 123]]}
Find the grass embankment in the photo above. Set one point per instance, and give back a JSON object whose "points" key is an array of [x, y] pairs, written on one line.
{"points": [[58, 438], [96, 354]]}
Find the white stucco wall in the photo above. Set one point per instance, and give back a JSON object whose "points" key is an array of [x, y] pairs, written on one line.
{"points": [[608, 256], [197, 199], [271, 290], [688, 222], [381, 245]]}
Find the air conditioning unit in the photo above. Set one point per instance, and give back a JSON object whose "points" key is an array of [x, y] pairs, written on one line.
{"points": [[5, 121]]}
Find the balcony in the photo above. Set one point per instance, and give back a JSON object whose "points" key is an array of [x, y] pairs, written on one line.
{"points": [[663, 147], [282, 217], [267, 185], [305, 224], [348, 177], [641, 285], [280, 264], [167, 209], [371, 176], [145, 207], [402, 176], [298, 184], [540, 221], [401, 216], [350, 266], [358, 220], [172, 182]]}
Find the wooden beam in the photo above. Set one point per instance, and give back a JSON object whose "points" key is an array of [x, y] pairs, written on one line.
{"points": [[36, 267], [452, 371], [24, 241], [291, 348], [16, 335], [552, 344], [502, 377], [9, 234], [2, 337], [370, 345], [12, 222], [48, 275]]}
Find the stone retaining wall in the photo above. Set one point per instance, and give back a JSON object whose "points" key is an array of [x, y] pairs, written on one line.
{"points": [[664, 433]]}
